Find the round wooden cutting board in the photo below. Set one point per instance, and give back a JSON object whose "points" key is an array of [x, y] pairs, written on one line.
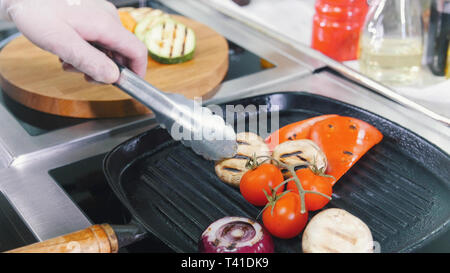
{"points": [[35, 78]]}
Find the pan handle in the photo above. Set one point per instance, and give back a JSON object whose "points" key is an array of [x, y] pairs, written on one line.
{"points": [[94, 239]]}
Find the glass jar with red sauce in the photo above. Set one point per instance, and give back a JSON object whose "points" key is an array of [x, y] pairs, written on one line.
{"points": [[336, 27]]}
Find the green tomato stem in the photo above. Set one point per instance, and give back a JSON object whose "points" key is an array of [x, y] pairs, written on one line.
{"points": [[301, 191], [319, 193], [294, 177]]}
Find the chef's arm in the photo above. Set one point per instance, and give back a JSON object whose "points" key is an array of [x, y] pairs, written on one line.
{"points": [[67, 28]]}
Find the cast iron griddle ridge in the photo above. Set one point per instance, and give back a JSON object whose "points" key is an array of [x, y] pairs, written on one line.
{"points": [[399, 188]]}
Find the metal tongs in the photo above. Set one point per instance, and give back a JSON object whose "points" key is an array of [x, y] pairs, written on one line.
{"points": [[186, 120]]}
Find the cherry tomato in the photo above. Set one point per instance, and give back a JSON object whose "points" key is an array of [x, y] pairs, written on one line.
{"points": [[313, 182], [265, 176], [285, 220]]}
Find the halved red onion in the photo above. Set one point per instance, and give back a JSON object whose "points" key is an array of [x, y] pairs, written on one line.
{"points": [[235, 235]]}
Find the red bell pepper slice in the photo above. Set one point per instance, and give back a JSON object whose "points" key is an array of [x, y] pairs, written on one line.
{"points": [[294, 131], [344, 140]]}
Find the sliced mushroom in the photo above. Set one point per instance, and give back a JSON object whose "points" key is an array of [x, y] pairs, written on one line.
{"points": [[300, 153], [231, 170], [337, 231]]}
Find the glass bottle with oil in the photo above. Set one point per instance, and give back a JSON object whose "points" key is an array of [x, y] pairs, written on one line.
{"points": [[391, 44]]}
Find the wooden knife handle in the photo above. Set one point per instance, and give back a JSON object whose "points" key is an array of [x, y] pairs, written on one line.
{"points": [[94, 239]]}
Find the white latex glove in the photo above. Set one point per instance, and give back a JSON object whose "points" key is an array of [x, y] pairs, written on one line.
{"points": [[65, 28]]}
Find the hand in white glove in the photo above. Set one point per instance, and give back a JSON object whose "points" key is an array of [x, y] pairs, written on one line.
{"points": [[65, 28]]}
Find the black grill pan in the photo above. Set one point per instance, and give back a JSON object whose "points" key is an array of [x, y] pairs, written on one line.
{"points": [[400, 188]]}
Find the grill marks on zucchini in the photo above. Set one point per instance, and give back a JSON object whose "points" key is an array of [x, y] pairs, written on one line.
{"points": [[174, 36], [148, 22], [170, 42], [167, 41], [184, 41]]}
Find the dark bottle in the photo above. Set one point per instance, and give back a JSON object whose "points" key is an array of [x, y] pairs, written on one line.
{"points": [[242, 2], [438, 36]]}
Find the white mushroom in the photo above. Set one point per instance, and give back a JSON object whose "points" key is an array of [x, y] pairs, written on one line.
{"points": [[336, 231], [231, 170], [300, 153]]}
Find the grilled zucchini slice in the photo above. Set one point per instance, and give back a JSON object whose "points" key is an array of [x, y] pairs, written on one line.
{"points": [[150, 20], [170, 42]]}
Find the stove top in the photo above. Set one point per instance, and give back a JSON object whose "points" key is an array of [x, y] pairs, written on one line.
{"points": [[87, 186], [13, 231], [34, 122]]}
